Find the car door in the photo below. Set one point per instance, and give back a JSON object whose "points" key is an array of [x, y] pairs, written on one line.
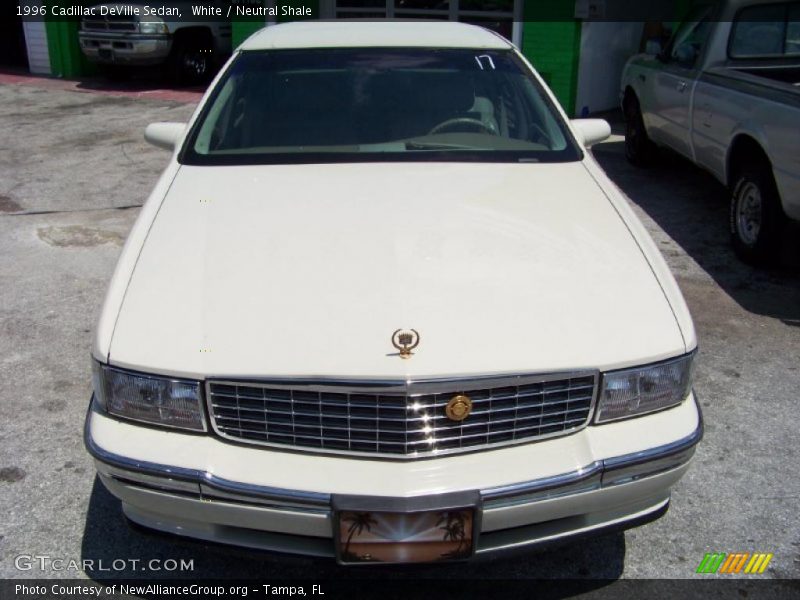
{"points": [[670, 120]]}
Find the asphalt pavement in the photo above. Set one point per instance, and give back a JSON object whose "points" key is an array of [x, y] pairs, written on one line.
{"points": [[73, 170]]}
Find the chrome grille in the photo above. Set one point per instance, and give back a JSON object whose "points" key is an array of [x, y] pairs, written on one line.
{"points": [[401, 420], [110, 23]]}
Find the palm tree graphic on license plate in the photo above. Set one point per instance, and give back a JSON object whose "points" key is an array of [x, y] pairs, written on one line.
{"points": [[405, 537]]}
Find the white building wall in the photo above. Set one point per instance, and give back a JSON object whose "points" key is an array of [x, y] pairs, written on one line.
{"points": [[605, 48], [36, 42]]}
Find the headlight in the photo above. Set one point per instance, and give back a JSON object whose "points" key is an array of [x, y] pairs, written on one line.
{"points": [[157, 400], [633, 392], [153, 27]]}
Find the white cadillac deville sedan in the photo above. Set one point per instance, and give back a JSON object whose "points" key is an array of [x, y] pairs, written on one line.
{"points": [[383, 306]]}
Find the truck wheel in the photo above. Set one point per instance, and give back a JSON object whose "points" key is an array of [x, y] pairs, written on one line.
{"points": [[639, 150], [756, 217], [191, 62]]}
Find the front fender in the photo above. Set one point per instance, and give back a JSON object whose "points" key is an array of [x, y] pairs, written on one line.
{"points": [[634, 76]]}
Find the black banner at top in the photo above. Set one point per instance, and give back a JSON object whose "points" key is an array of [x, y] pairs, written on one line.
{"points": [[284, 10], [167, 10]]}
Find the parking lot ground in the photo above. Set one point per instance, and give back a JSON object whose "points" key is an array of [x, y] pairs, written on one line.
{"points": [[73, 170], [139, 87]]}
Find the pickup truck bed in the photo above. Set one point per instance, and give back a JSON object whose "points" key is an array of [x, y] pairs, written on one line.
{"points": [[766, 74], [776, 84]]}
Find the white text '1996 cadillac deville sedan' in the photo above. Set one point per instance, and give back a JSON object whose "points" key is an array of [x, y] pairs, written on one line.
{"points": [[382, 305]]}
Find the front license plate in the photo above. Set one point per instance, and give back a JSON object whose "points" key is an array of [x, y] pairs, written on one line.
{"points": [[106, 54], [405, 537]]}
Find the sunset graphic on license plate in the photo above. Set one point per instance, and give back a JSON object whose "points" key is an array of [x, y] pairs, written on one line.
{"points": [[405, 537]]}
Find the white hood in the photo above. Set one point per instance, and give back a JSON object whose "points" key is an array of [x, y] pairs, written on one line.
{"points": [[284, 271]]}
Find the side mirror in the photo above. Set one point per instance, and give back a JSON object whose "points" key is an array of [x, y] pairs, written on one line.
{"points": [[653, 48], [685, 54], [591, 131], [164, 135]]}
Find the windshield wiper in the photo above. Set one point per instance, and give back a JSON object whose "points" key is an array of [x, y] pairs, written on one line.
{"points": [[438, 146]]}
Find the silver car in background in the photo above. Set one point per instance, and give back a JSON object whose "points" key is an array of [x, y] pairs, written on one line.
{"points": [[724, 94]]}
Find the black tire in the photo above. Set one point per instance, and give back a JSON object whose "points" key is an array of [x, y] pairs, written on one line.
{"points": [[191, 62], [756, 216], [639, 149]]}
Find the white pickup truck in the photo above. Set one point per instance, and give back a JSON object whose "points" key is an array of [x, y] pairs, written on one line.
{"points": [[725, 93], [118, 36]]}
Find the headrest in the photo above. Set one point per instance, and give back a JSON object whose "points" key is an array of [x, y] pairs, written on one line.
{"points": [[428, 92]]}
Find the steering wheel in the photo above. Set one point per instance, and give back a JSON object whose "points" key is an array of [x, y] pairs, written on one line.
{"points": [[462, 121]]}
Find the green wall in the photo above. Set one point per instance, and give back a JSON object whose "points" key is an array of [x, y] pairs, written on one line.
{"points": [[241, 29], [551, 40], [66, 58]]}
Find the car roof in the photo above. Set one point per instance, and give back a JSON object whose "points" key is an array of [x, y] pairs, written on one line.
{"points": [[374, 34]]}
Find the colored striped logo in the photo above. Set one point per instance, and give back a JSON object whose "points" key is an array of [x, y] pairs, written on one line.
{"points": [[738, 562]]}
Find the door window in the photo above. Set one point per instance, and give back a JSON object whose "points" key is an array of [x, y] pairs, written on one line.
{"points": [[689, 40]]}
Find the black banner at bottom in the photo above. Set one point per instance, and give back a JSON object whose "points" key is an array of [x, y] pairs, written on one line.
{"points": [[406, 588]]}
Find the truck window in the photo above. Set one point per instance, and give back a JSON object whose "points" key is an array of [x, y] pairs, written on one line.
{"points": [[766, 31], [690, 38], [792, 47]]}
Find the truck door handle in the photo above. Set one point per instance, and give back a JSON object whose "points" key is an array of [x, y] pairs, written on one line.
{"points": [[681, 86]]}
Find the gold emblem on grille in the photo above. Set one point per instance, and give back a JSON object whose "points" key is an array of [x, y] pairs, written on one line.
{"points": [[405, 341], [458, 408]]}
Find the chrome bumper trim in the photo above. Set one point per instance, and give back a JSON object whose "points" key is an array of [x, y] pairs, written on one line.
{"points": [[599, 474], [589, 474], [203, 478], [631, 467], [541, 535]]}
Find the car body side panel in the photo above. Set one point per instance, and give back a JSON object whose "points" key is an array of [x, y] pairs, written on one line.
{"points": [[669, 108], [651, 252], [729, 104], [115, 294], [636, 75]]}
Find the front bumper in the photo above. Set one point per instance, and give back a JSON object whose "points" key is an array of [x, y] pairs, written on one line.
{"points": [[282, 501], [125, 49]]}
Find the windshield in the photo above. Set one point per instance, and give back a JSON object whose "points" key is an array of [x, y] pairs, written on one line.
{"points": [[354, 105]]}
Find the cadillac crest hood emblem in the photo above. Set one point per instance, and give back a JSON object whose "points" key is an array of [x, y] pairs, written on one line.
{"points": [[405, 340]]}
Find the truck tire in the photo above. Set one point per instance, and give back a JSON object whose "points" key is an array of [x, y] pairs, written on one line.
{"points": [[639, 149], [191, 61], [756, 216]]}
